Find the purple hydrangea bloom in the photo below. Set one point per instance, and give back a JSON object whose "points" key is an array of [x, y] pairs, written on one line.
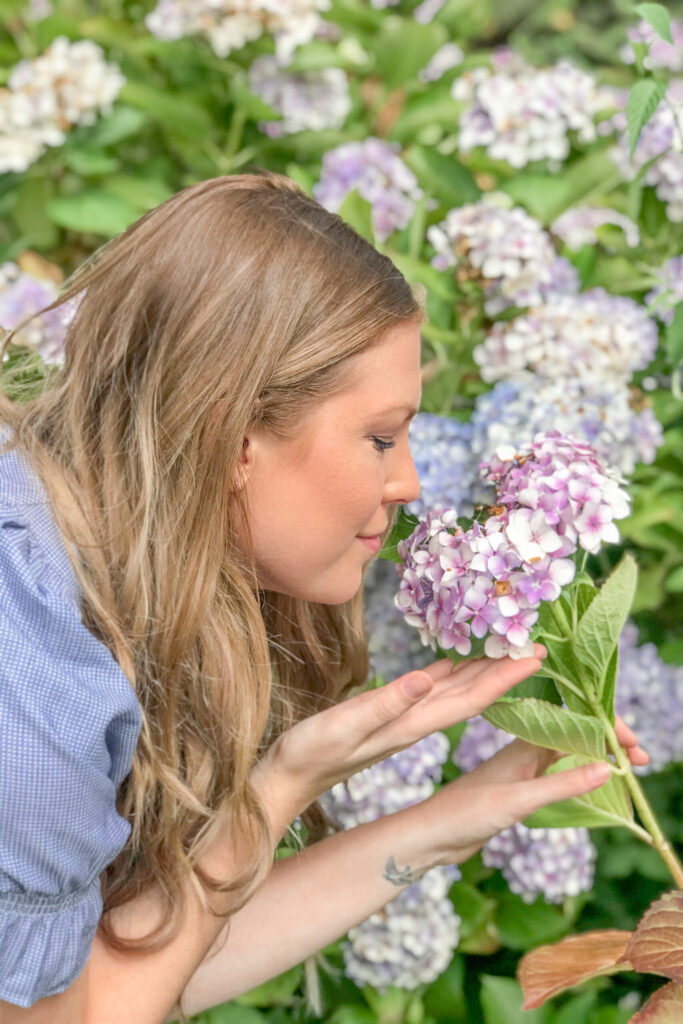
{"points": [[376, 171], [507, 249], [309, 100], [617, 420], [521, 114], [393, 646], [411, 941], [660, 54], [550, 862], [441, 449], [592, 335], [668, 291], [22, 294], [552, 496], [649, 697]]}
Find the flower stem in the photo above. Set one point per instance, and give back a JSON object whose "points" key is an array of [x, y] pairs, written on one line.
{"points": [[640, 801]]}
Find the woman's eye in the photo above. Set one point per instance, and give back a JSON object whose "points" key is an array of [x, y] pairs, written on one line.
{"points": [[381, 445]]}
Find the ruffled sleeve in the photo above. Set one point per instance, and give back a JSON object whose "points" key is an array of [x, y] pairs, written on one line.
{"points": [[69, 725]]}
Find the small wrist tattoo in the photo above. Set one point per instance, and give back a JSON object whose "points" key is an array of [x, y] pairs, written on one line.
{"points": [[397, 876]]}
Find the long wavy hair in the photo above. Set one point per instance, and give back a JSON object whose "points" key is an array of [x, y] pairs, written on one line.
{"points": [[236, 302]]}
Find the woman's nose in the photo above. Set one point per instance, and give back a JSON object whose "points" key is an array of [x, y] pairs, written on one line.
{"points": [[404, 484]]}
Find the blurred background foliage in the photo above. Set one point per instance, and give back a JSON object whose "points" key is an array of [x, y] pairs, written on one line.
{"points": [[172, 111]]}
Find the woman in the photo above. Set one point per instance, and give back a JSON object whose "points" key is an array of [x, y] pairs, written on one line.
{"points": [[187, 515]]}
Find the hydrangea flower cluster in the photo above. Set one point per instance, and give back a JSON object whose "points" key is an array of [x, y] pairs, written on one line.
{"points": [[376, 171], [617, 421], [22, 294], [660, 54], [410, 941], [230, 24], [550, 862], [69, 84], [445, 58], [661, 137], [394, 647], [552, 496], [594, 334], [577, 226], [668, 291], [649, 697], [507, 250], [442, 452], [520, 113], [309, 100]]}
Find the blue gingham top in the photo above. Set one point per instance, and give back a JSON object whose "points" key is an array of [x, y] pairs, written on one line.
{"points": [[69, 725]]}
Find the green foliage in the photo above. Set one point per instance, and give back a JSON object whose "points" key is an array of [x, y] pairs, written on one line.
{"points": [[546, 725]]}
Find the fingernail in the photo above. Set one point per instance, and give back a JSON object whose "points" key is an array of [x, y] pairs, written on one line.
{"points": [[416, 687], [600, 773]]}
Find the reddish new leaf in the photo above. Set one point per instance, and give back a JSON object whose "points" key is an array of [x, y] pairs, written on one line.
{"points": [[665, 1006], [656, 946], [548, 970]]}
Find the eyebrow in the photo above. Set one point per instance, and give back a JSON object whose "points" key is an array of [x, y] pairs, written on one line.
{"points": [[411, 410]]}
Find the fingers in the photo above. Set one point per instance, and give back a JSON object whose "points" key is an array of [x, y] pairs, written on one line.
{"points": [[563, 785], [629, 741]]}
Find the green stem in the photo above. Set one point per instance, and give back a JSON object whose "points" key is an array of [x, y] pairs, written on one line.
{"points": [[640, 801]]}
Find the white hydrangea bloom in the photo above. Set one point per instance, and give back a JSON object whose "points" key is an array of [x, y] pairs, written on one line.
{"points": [[230, 24], [310, 100], [69, 84]]}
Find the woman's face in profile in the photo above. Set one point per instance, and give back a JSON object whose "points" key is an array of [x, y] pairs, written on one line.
{"points": [[312, 496]]}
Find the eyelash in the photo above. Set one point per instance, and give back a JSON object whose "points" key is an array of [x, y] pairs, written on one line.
{"points": [[382, 446]]}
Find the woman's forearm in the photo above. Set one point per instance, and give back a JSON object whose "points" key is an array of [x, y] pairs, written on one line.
{"points": [[309, 900]]}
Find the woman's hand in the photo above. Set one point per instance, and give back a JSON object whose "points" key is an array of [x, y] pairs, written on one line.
{"points": [[328, 747], [507, 788]]}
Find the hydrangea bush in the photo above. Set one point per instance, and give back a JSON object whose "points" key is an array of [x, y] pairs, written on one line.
{"points": [[526, 174]]}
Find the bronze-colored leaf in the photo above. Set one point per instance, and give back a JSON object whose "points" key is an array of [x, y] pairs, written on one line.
{"points": [[548, 970], [656, 946], [665, 1006]]}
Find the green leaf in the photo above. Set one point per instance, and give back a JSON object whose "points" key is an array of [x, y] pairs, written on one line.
{"points": [[29, 213], [119, 125], [609, 684], [527, 925], [547, 725], [674, 336], [230, 1013], [442, 176], [403, 527], [598, 630], [276, 992], [608, 805], [403, 47], [643, 99], [501, 1000], [357, 212], [413, 270], [658, 17], [471, 906], [175, 111], [142, 193], [546, 196], [89, 162], [352, 1015], [577, 1009], [674, 581], [92, 212], [445, 997]]}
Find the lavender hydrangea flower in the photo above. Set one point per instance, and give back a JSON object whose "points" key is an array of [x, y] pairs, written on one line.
{"points": [[427, 11], [22, 294], [577, 226], [399, 781], [649, 697], [442, 452], [520, 113], [616, 420], [408, 943], [393, 646], [508, 250], [69, 84], [595, 335], [376, 171], [661, 54], [668, 291], [309, 100], [661, 137], [230, 24], [550, 862], [553, 496]]}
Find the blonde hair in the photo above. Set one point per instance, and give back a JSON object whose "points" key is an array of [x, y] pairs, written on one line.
{"points": [[236, 302]]}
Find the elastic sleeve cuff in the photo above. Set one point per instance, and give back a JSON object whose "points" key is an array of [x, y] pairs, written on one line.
{"points": [[45, 941]]}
